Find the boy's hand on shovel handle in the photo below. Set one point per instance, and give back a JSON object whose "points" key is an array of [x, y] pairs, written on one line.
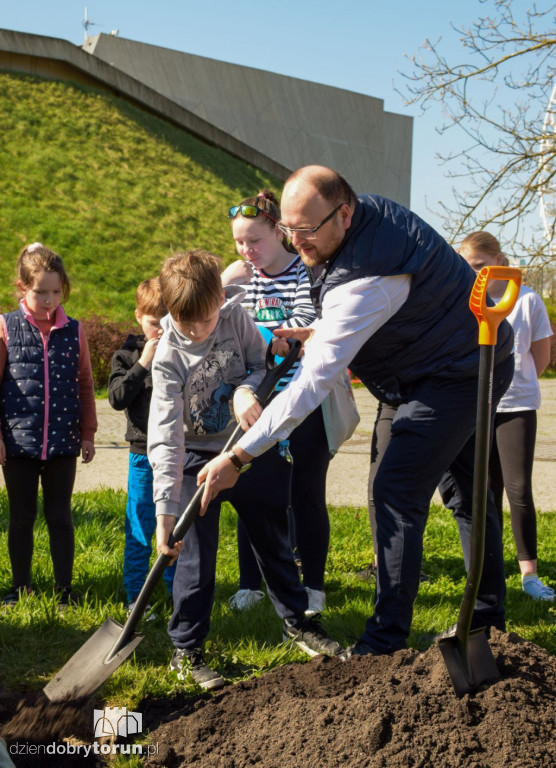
{"points": [[164, 526]]}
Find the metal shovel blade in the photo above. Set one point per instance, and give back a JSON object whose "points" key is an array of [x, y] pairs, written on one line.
{"points": [[469, 664], [93, 663]]}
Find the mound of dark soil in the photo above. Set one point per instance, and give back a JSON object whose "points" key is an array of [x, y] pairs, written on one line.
{"points": [[39, 733], [389, 711]]}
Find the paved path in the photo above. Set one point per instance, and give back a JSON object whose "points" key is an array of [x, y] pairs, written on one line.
{"points": [[347, 476]]}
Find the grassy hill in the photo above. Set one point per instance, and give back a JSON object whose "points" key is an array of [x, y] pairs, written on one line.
{"points": [[111, 188]]}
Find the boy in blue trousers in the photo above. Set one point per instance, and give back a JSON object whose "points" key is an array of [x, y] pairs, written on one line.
{"points": [[130, 388], [211, 353]]}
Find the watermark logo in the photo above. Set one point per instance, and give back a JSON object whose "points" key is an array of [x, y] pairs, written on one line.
{"points": [[108, 723], [116, 721]]}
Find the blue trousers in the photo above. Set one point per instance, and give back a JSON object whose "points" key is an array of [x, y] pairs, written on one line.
{"points": [[140, 524], [432, 444], [260, 498]]}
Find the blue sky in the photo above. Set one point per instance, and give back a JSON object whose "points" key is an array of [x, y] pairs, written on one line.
{"points": [[360, 45]]}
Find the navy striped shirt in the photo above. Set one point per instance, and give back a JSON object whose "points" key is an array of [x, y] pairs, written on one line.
{"points": [[280, 301]]}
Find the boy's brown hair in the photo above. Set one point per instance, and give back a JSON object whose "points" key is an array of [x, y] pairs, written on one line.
{"points": [[191, 285], [149, 299]]}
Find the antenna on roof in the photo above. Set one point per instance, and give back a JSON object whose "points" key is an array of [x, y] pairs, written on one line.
{"points": [[88, 23]]}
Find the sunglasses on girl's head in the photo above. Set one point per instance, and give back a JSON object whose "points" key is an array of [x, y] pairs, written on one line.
{"points": [[249, 211]]}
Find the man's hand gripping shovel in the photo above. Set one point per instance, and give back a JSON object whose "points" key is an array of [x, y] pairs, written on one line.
{"points": [[112, 643], [467, 655]]}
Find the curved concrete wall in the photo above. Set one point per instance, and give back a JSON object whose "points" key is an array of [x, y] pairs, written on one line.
{"points": [[294, 122], [271, 121], [55, 58]]}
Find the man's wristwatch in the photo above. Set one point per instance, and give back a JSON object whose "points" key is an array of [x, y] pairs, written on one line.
{"points": [[237, 462]]}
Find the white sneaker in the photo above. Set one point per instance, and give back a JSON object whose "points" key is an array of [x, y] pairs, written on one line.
{"points": [[245, 599], [317, 601], [533, 586]]}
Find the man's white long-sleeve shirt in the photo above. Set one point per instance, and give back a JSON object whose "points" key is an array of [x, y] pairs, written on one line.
{"points": [[351, 314]]}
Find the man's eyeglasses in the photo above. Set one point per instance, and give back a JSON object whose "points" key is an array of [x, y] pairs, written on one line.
{"points": [[249, 211], [308, 234]]}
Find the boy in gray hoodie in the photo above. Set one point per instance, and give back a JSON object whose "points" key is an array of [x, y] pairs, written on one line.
{"points": [[211, 353]]}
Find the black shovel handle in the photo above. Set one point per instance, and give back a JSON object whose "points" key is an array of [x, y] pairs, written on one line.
{"points": [[489, 318], [274, 373], [480, 490]]}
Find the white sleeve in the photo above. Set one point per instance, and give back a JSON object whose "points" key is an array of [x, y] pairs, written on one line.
{"points": [[351, 313], [540, 322]]}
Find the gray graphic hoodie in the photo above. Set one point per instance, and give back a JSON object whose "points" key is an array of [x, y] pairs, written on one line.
{"points": [[193, 385]]}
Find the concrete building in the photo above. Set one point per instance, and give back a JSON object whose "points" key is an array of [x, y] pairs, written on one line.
{"points": [[291, 121]]}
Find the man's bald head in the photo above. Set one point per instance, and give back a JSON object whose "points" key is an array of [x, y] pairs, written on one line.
{"points": [[319, 181]]}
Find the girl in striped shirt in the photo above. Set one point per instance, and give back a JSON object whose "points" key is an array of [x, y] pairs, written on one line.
{"points": [[277, 286]]}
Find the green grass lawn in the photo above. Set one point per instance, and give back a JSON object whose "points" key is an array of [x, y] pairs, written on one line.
{"points": [[36, 640], [111, 188]]}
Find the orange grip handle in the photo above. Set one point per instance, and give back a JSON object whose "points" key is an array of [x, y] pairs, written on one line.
{"points": [[489, 318]]}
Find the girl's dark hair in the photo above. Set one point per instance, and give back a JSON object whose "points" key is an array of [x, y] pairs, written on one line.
{"points": [[37, 258], [267, 201]]}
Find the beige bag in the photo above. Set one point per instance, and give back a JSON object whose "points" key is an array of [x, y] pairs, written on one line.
{"points": [[340, 414]]}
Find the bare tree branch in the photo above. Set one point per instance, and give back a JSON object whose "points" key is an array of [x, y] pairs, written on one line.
{"points": [[508, 165]]}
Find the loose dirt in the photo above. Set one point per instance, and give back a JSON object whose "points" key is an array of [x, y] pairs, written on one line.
{"points": [[371, 712]]}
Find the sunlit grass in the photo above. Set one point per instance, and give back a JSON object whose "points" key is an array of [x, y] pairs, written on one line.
{"points": [[36, 639], [111, 188]]}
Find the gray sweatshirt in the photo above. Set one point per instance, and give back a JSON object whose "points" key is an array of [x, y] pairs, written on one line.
{"points": [[193, 385]]}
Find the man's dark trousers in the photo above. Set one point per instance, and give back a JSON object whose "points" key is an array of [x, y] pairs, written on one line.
{"points": [[432, 444]]}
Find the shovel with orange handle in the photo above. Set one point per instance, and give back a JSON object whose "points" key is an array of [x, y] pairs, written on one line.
{"points": [[467, 654]]}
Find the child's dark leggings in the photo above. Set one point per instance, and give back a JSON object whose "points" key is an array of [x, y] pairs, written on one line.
{"points": [[57, 477], [309, 449], [511, 467]]}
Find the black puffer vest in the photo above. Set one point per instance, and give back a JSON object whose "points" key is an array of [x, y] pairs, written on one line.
{"points": [[434, 333], [39, 395]]}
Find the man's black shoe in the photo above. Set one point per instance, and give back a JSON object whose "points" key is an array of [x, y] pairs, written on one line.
{"points": [[308, 635], [358, 649]]}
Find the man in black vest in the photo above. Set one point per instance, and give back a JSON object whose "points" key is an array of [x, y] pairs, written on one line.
{"points": [[392, 299]]}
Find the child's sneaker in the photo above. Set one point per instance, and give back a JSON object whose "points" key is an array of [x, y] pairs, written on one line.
{"points": [[14, 595], [192, 662], [317, 601], [245, 599], [148, 614], [533, 586], [368, 573], [66, 597], [308, 635]]}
